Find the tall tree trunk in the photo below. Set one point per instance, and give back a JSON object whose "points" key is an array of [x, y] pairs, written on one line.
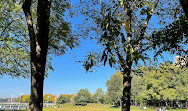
{"points": [[184, 4], [39, 46], [126, 99]]}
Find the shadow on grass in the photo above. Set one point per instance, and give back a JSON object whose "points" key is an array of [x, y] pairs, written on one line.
{"points": [[114, 106]]}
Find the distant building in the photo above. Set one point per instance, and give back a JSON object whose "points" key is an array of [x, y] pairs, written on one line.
{"points": [[4, 100], [11, 100], [7, 100], [181, 60]]}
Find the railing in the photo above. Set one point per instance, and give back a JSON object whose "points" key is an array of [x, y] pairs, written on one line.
{"points": [[13, 105], [4, 106]]}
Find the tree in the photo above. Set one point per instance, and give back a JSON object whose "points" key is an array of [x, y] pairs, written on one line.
{"points": [[24, 98], [15, 40], [115, 88], [171, 38], [64, 99], [181, 85], [38, 49], [39, 39], [14, 57], [136, 89], [83, 97], [98, 96], [72, 97], [49, 98], [164, 83], [184, 5], [107, 99], [81, 101], [123, 31]]}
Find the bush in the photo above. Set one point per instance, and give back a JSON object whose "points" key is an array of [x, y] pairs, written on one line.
{"points": [[83, 97], [81, 101], [63, 99]]}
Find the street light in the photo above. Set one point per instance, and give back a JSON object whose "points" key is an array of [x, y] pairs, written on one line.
{"points": [[20, 100], [11, 101], [47, 100]]}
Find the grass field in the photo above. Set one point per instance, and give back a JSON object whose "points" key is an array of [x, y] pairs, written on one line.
{"points": [[97, 107]]}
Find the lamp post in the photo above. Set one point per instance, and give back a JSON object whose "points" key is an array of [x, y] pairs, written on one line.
{"points": [[47, 100], [19, 103], [11, 101], [20, 100]]}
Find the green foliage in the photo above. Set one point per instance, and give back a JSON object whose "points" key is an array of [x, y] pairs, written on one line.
{"points": [[98, 96], [61, 37], [136, 88], [63, 99], [23, 98], [82, 101], [14, 39], [14, 56], [152, 85], [123, 31], [172, 38], [107, 99], [115, 88], [83, 97], [167, 82], [49, 97], [109, 21]]}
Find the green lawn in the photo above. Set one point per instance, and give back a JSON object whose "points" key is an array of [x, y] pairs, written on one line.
{"points": [[97, 107]]}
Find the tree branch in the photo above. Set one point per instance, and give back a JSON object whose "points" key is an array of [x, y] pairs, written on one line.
{"points": [[26, 8], [184, 4], [2, 33], [121, 59], [129, 14], [143, 30]]}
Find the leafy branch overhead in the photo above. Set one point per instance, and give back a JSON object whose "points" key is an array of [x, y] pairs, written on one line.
{"points": [[14, 39], [171, 38], [123, 30], [115, 30]]}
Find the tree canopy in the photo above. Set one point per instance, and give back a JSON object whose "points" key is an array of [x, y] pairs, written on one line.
{"points": [[14, 38], [98, 96], [64, 98], [23, 98], [115, 88], [124, 31], [83, 97], [49, 98], [154, 85], [167, 82]]}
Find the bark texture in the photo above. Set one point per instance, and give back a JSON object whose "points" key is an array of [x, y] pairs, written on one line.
{"points": [[126, 99], [126, 65], [39, 46], [184, 4]]}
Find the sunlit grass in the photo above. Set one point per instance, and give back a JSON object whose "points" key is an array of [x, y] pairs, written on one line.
{"points": [[97, 107]]}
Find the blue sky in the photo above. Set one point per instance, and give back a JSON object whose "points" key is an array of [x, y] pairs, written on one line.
{"points": [[68, 76]]}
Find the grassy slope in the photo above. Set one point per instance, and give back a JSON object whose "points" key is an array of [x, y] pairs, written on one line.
{"points": [[95, 107]]}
